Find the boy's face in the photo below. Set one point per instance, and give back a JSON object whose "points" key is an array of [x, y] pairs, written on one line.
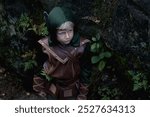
{"points": [[65, 33]]}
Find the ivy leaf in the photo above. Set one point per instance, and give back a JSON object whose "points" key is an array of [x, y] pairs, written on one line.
{"points": [[95, 59], [107, 54], [102, 55], [93, 39], [93, 47], [98, 36], [101, 65]]}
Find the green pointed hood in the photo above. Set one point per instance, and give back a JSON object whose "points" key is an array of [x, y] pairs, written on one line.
{"points": [[56, 17]]}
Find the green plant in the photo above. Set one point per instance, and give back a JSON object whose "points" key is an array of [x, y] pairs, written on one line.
{"points": [[139, 79], [25, 23], [29, 60], [100, 53], [40, 29], [43, 73], [16, 52], [107, 93], [27, 56], [22, 62]]}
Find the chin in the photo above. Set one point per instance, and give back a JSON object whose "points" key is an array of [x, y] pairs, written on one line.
{"points": [[67, 42]]}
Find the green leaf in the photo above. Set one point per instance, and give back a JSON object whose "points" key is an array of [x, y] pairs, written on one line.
{"points": [[46, 76], [107, 54], [29, 64], [136, 87], [131, 73], [95, 59], [42, 30], [145, 82], [98, 36], [93, 38], [93, 47], [101, 65], [102, 55]]}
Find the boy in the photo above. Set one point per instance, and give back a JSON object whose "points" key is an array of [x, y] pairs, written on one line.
{"points": [[68, 66]]}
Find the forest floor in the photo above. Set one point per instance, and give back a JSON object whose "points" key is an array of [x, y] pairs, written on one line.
{"points": [[11, 88]]}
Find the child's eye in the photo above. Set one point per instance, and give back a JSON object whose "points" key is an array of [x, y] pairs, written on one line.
{"points": [[70, 30], [61, 33]]}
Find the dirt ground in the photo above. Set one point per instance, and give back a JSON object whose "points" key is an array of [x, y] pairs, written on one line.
{"points": [[11, 88]]}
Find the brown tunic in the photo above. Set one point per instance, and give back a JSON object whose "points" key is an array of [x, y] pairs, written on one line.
{"points": [[63, 66]]}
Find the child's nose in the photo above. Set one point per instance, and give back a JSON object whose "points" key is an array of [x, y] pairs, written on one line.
{"points": [[67, 35]]}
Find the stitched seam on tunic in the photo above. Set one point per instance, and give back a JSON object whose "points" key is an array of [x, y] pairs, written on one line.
{"points": [[53, 53]]}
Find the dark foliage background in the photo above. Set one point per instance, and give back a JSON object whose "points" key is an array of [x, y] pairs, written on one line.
{"points": [[120, 35]]}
